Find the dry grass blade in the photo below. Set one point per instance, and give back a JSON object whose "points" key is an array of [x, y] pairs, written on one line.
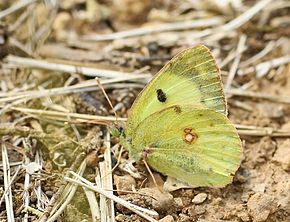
{"points": [[136, 209], [65, 116], [41, 64], [261, 131], [246, 16], [263, 68], [67, 195], [16, 7], [7, 185], [268, 48], [94, 206], [257, 95], [186, 25], [12, 179], [86, 86]]}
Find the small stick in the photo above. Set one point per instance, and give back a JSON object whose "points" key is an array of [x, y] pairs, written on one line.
{"points": [[177, 26], [64, 114], [42, 64], [16, 7], [268, 48], [246, 16], [106, 95], [273, 98], [263, 68]]}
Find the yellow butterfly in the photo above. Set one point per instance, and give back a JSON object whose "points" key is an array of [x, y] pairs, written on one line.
{"points": [[178, 123]]}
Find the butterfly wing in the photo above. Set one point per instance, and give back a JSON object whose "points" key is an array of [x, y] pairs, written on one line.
{"points": [[190, 78], [197, 146]]}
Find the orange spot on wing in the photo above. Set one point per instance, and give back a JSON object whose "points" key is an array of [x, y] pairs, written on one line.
{"points": [[189, 136]]}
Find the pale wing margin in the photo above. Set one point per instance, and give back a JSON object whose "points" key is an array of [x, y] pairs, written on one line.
{"points": [[211, 160], [190, 78]]}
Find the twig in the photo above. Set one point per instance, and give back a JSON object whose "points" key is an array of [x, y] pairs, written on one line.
{"points": [[261, 131], [136, 209], [268, 48], [246, 16], [16, 7], [222, 31], [86, 86], [234, 67], [41, 64], [161, 28], [76, 116], [273, 98], [263, 68]]}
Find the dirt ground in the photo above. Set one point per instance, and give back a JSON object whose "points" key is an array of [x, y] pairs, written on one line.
{"points": [[83, 39]]}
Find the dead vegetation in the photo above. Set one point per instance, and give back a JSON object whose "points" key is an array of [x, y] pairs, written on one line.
{"points": [[59, 162]]}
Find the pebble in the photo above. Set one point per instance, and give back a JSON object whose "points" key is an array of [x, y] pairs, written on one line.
{"points": [[161, 201], [199, 198], [168, 218], [260, 206], [124, 183], [281, 156]]}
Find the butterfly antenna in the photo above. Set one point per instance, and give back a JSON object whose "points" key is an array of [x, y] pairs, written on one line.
{"points": [[107, 97]]}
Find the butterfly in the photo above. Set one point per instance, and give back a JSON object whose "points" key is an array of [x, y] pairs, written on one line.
{"points": [[178, 124]]}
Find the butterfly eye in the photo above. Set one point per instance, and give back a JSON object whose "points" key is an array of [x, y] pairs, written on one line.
{"points": [[121, 131]]}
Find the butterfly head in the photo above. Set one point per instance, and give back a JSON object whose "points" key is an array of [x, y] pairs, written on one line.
{"points": [[117, 130]]}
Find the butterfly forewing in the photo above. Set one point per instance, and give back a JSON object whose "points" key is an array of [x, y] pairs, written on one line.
{"points": [[194, 145], [190, 78]]}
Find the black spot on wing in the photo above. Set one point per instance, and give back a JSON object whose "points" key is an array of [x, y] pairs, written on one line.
{"points": [[161, 96]]}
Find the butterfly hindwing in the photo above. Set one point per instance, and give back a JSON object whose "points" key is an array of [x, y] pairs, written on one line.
{"points": [[194, 145], [190, 78]]}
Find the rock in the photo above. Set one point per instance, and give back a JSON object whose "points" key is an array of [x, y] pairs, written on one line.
{"points": [[199, 198], [124, 183], [161, 202], [178, 202], [281, 156], [260, 206], [168, 218]]}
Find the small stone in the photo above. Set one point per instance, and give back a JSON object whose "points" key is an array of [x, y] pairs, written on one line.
{"points": [[199, 210], [281, 156], [124, 183], [49, 193], [260, 206], [178, 202], [161, 201], [168, 218], [199, 198]]}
